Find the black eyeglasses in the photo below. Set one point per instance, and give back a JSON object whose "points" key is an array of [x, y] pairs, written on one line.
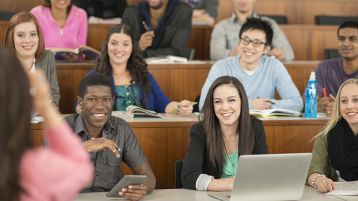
{"points": [[256, 43]]}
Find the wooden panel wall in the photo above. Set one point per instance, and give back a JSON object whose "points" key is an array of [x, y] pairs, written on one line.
{"points": [[19, 5], [297, 11], [165, 142], [27, 5], [177, 81], [307, 41]]}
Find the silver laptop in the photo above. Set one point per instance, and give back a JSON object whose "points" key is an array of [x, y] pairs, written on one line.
{"points": [[268, 177]]}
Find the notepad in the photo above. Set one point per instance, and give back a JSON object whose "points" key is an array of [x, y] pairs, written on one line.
{"points": [[345, 188]]}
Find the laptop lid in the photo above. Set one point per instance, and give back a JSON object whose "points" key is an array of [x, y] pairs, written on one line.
{"points": [[271, 177]]}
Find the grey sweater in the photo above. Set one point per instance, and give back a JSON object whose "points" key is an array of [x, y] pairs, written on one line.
{"points": [[48, 65], [271, 75]]}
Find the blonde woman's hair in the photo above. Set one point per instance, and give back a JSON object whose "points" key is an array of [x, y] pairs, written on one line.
{"points": [[336, 114]]}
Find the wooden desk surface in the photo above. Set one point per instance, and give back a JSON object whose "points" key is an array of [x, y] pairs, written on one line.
{"points": [[309, 194], [164, 141]]}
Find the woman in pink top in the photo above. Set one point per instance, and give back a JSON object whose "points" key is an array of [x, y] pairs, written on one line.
{"points": [[63, 24], [29, 172]]}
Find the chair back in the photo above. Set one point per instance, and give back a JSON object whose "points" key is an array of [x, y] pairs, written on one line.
{"points": [[178, 168], [331, 53], [280, 19], [333, 20], [6, 15]]}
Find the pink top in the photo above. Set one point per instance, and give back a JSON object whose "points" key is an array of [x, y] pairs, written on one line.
{"points": [[72, 35], [57, 172]]}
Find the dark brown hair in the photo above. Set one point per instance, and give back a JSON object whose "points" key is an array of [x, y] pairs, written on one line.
{"points": [[15, 127], [212, 128], [136, 65], [17, 19]]}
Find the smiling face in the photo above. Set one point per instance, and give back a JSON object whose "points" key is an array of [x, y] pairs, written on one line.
{"points": [[60, 4], [227, 105], [96, 106], [26, 40], [119, 49], [348, 104], [250, 55], [348, 43]]}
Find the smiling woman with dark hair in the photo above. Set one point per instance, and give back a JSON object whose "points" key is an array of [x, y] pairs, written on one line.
{"points": [[121, 61], [226, 131]]}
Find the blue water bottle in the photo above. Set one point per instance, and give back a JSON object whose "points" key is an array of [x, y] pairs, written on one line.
{"points": [[311, 97]]}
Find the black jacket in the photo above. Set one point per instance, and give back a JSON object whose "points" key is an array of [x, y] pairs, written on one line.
{"points": [[197, 160], [173, 32]]}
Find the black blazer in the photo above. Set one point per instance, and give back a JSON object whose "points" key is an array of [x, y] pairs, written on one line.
{"points": [[197, 160]]}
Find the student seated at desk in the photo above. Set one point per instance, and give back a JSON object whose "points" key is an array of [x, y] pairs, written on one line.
{"points": [[335, 151], [160, 27], [226, 131], [122, 63], [261, 75], [333, 72], [108, 139], [63, 25], [54, 173], [24, 38], [225, 41]]}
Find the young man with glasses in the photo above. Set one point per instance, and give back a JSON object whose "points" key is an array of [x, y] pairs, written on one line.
{"points": [[260, 74], [333, 72], [224, 40]]}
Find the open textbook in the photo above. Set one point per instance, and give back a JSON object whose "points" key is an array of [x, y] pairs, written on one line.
{"points": [[81, 54], [275, 113], [345, 188], [136, 112], [166, 59]]}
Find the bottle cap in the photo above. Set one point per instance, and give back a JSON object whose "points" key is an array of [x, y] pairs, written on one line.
{"points": [[312, 76]]}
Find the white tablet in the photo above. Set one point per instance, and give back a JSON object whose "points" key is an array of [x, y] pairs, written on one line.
{"points": [[126, 181]]}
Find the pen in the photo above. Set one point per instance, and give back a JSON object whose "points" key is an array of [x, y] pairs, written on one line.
{"points": [[324, 92], [146, 27]]}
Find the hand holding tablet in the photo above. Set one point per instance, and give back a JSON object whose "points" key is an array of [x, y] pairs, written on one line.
{"points": [[124, 183]]}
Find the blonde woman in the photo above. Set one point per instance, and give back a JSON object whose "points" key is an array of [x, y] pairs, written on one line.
{"points": [[335, 152]]}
